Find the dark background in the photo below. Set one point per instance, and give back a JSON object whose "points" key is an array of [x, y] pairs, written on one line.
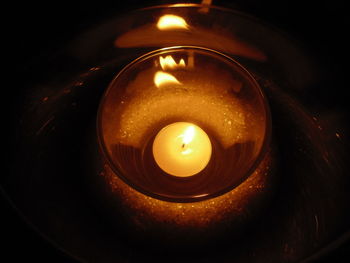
{"points": [[35, 30]]}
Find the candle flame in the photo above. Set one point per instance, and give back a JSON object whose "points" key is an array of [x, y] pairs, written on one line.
{"points": [[161, 78], [168, 22], [188, 134], [169, 63], [187, 137]]}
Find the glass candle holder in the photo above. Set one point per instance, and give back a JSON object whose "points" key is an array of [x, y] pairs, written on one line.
{"points": [[217, 102]]}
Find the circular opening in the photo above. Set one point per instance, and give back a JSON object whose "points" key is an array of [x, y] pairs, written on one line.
{"points": [[196, 86]]}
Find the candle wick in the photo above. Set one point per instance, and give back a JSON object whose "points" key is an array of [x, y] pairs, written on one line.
{"points": [[183, 146]]}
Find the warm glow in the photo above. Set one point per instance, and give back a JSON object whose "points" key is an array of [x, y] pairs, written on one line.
{"points": [[161, 78], [182, 149], [169, 63], [168, 22], [188, 135]]}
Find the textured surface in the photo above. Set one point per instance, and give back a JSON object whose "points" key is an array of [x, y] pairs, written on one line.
{"points": [[232, 208], [210, 94]]}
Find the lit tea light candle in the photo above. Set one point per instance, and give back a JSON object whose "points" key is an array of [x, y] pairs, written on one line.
{"points": [[182, 149]]}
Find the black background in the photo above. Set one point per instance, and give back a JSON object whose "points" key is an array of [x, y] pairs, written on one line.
{"points": [[35, 30]]}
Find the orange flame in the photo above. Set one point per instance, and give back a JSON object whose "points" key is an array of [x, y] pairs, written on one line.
{"points": [[168, 22], [161, 78], [187, 137], [169, 63]]}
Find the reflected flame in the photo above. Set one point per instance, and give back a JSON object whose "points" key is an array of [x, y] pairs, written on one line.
{"points": [[162, 78], [168, 22], [169, 63]]}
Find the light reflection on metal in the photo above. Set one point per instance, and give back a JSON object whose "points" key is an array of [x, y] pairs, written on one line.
{"points": [[169, 63], [150, 36], [161, 78], [170, 22]]}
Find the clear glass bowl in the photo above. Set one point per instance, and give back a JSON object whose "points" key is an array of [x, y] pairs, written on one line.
{"points": [[184, 84]]}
